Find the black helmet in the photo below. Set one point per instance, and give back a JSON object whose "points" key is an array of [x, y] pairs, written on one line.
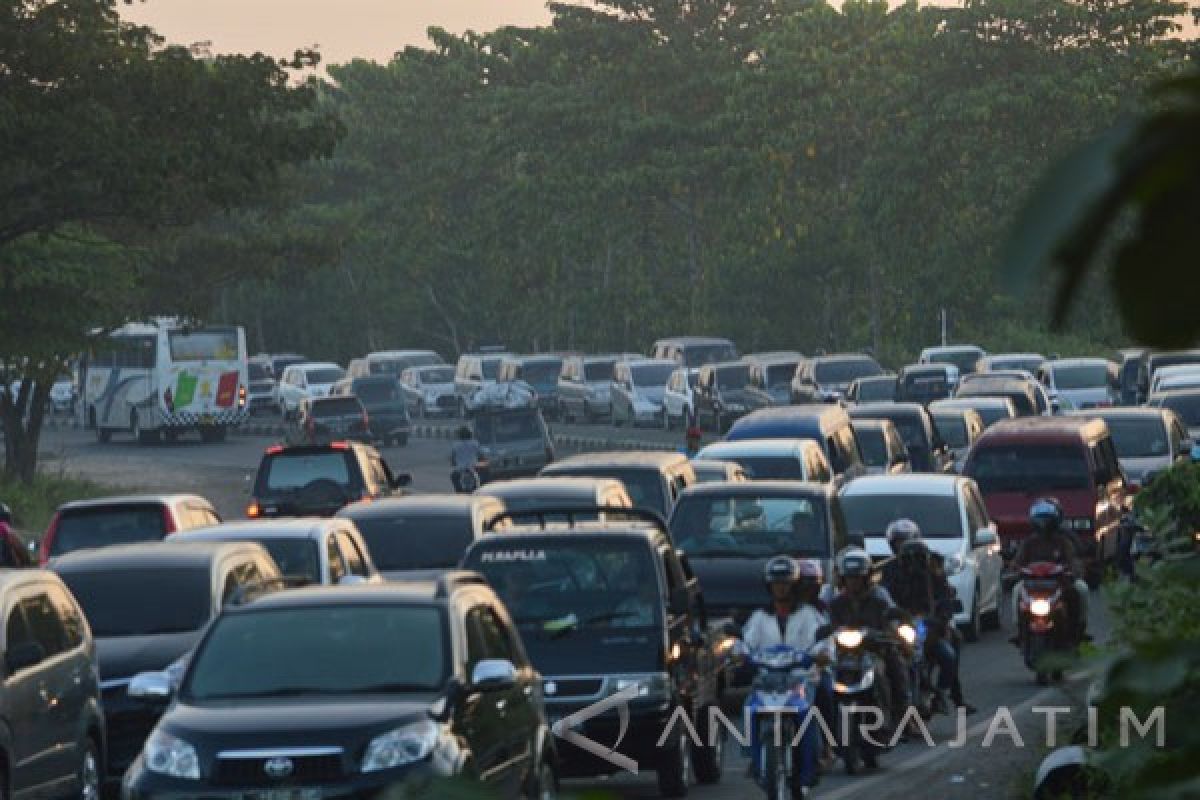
{"points": [[853, 562], [1046, 516], [464, 433], [781, 569], [900, 532]]}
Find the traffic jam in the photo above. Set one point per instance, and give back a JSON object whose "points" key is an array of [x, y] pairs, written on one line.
{"points": [[780, 588]]}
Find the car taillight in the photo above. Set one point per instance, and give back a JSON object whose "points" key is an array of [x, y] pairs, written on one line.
{"points": [[241, 395], [168, 521], [339, 445], [253, 510], [48, 539]]}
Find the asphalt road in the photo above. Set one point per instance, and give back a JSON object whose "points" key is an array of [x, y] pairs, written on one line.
{"points": [[992, 671]]}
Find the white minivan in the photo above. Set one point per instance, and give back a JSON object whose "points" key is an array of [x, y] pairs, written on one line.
{"points": [[307, 380]]}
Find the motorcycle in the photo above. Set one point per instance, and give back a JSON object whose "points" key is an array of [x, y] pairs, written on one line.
{"points": [[467, 479], [776, 706], [859, 684], [913, 641], [1044, 627]]}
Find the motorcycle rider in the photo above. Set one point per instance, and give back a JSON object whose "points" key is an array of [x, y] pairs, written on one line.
{"points": [[1049, 542], [793, 619], [919, 587], [465, 455], [860, 604]]}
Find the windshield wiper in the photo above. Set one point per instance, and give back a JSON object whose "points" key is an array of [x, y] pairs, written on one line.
{"points": [[285, 691], [390, 688]]}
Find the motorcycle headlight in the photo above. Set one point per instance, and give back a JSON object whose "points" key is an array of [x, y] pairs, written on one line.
{"points": [[169, 755], [1039, 608], [401, 746], [849, 639], [907, 633]]}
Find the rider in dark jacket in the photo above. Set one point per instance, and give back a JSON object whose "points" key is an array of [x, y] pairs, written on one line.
{"points": [[1050, 542]]}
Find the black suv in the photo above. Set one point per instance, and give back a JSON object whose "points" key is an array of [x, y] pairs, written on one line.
{"points": [[318, 480], [604, 608], [51, 725], [351, 692]]}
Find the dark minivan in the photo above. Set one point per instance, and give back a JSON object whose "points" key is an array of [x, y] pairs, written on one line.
{"points": [[926, 450], [318, 480], [828, 425], [387, 411], [515, 442]]}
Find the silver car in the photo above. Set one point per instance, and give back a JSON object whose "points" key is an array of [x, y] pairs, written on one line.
{"points": [[429, 391], [1148, 440], [1080, 383], [637, 391]]}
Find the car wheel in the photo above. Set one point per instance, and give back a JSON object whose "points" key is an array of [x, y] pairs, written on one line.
{"points": [[90, 780], [971, 630], [545, 785], [708, 759], [675, 766]]}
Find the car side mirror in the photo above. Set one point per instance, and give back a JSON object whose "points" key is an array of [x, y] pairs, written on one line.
{"points": [[401, 481], [986, 537], [151, 687], [493, 675], [680, 602], [24, 656]]}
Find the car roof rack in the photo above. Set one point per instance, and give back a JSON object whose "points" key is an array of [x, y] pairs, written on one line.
{"points": [[572, 515], [447, 582]]}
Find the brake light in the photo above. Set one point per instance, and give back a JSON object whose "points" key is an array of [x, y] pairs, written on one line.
{"points": [[274, 449], [168, 521], [339, 445], [241, 395], [48, 539], [253, 511]]}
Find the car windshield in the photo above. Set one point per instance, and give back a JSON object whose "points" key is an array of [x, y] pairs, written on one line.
{"points": [[125, 601], [729, 378], [844, 370], [873, 446], [652, 375], [750, 526], [490, 368], [598, 370], [542, 372], [294, 470], [1081, 376], [1030, 468], [925, 387], [297, 558], [1135, 437], [336, 407], [335, 650], [424, 541], [80, 529], [555, 588], [953, 430], [1016, 391], [965, 360], [780, 375], [697, 355], [938, 516], [323, 375], [1187, 406], [521, 426], [377, 391], [877, 391], [437, 375], [770, 468], [257, 372], [209, 345]]}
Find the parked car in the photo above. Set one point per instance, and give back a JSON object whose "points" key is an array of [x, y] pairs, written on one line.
{"points": [[538, 371], [694, 351], [959, 428], [1148, 440], [872, 389], [148, 605], [1027, 395], [261, 392], [530, 496], [279, 364], [1183, 376], [429, 391], [1186, 405], [53, 735], [653, 480], [637, 391], [515, 443], [401, 683], [883, 449], [1072, 459], [827, 425], [600, 606], [721, 394], [421, 536], [679, 398], [990, 409], [774, 459], [710, 470], [730, 531], [926, 383], [307, 550], [106, 521], [317, 480], [1000, 362], [771, 378], [306, 380], [474, 372], [954, 524], [392, 362], [1154, 361], [320, 420], [584, 388], [926, 450], [826, 379], [383, 399], [964, 356], [1130, 365], [1080, 383]]}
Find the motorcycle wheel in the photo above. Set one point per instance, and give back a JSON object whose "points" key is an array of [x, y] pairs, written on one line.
{"points": [[775, 777], [850, 750]]}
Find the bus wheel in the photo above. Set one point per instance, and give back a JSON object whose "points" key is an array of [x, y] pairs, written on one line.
{"points": [[212, 434], [139, 435]]}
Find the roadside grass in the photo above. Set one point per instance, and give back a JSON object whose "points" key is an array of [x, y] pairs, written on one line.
{"points": [[33, 504]]}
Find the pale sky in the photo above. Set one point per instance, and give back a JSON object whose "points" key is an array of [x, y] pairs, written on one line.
{"points": [[344, 29]]}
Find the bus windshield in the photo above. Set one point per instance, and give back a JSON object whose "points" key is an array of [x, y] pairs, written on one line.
{"points": [[204, 345]]}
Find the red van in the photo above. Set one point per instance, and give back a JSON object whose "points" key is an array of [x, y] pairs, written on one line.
{"points": [[1072, 459]]}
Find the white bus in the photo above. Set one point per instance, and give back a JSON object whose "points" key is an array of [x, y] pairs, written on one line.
{"points": [[160, 380]]}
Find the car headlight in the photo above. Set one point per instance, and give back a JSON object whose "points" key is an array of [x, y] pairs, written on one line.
{"points": [[1039, 607], [955, 564], [170, 755], [849, 639], [401, 746], [652, 685]]}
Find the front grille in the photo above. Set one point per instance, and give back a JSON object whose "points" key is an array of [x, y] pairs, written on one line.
{"points": [[574, 687], [253, 772], [126, 732], [447, 401]]}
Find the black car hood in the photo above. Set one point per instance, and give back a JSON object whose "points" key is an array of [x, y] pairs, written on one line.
{"points": [[126, 656], [299, 721], [730, 583], [596, 652], [413, 574]]}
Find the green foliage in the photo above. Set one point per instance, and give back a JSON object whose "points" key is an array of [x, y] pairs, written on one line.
{"points": [[34, 503]]}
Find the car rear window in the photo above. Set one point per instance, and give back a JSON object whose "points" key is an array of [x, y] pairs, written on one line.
{"points": [[645, 486], [697, 355], [1139, 437], [377, 391], [143, 601], [337, 407], [598, 371], [1081, 376], [425, 541], [84, 528], [937, 516], [324, 375], [541, 372], [1030, 467], [257, 372], [295, 470], [501, 428], [1187, 406], [296, 558], [770, 468], [952, 428], [873, 447], [878, 390], [844, 370]]}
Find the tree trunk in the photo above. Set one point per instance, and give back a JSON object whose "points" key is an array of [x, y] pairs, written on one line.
{"points": [[22, 431]]}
